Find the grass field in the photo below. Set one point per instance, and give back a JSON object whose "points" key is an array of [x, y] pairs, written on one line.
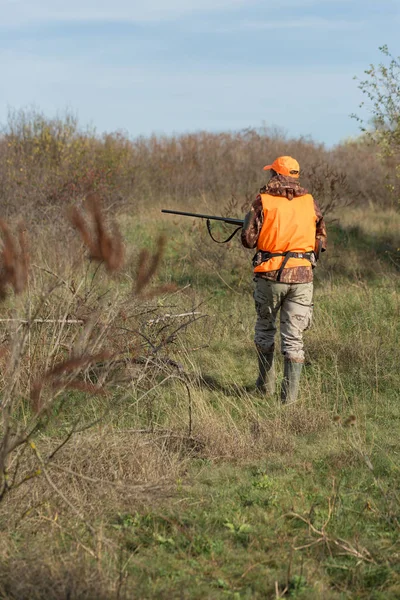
{"points": [[191, 485]]}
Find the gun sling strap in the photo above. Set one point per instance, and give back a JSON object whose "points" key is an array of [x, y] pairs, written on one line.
{"points": [[222, 241], [262, 256]]}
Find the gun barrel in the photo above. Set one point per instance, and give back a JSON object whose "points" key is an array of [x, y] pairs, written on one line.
{"points": [[209, 217]]}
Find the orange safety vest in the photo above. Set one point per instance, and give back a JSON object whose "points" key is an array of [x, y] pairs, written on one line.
{"points": [[288, 226]]}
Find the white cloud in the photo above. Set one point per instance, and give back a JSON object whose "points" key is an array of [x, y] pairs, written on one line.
{"points": [[16, 12]]}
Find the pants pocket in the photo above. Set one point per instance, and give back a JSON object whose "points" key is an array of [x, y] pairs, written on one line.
{"points": [[309, 318]]}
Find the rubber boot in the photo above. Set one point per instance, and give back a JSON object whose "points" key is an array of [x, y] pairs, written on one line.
{"points": [[291, 381], [266, 372]]}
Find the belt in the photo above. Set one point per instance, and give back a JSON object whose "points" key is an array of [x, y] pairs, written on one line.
{"points": [[262, 256]]}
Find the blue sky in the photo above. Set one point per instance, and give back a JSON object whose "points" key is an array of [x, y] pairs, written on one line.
{"points": [[170, 66]]}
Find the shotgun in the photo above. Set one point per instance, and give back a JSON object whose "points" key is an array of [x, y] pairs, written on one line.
{"points": [[209, 218]]}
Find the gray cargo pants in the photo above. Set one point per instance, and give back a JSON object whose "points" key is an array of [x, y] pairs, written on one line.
{"points": [[295, 303]]}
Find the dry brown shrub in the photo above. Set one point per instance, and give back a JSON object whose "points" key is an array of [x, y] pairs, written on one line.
{"points": [[47, 163]]}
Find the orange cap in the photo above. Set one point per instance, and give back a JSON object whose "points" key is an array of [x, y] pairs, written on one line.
{"points": [[285, 165]]}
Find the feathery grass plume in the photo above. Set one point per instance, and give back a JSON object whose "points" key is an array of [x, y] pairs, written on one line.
{"points": [[78, 362], [148, 265], [103, 246], [64, 368], [14, 260]]}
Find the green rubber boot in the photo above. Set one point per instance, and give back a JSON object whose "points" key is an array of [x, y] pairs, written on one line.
{"points": [[266, 372], [291, 381]]}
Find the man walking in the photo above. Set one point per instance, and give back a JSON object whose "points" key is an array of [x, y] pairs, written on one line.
{"points": [[286, 226]]}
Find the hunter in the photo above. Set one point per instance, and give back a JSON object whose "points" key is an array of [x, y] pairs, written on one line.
{"points": [[286, 226]]}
